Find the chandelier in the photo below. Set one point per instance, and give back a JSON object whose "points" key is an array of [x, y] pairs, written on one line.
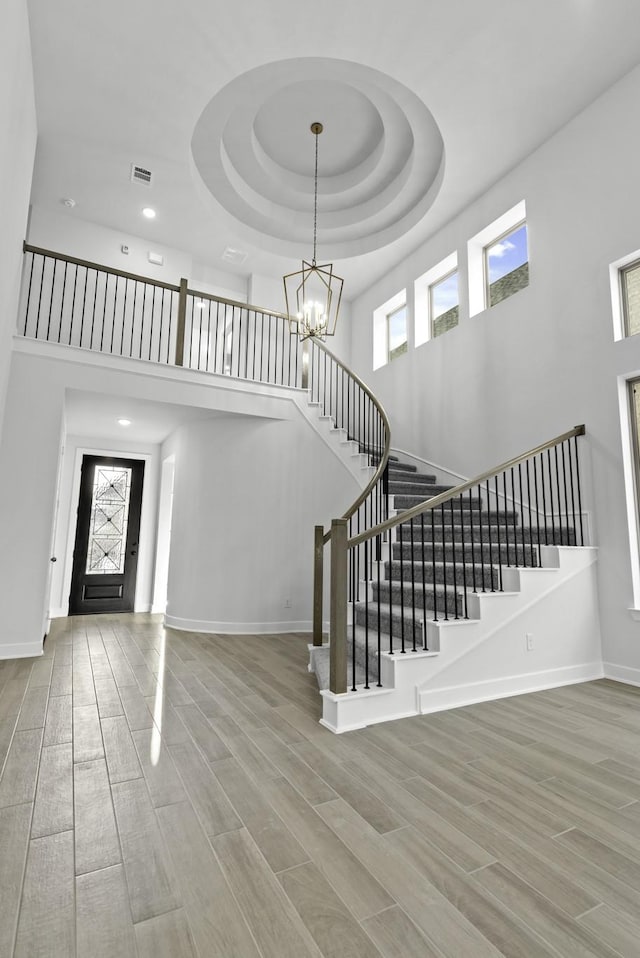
{"points": [[312, 295]]}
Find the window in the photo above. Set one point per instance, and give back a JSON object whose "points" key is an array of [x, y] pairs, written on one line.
{"points": [[498, 260], [444, 304], [390, 338], [630, 297], [506, 265], [396, 333], [437, 300]]}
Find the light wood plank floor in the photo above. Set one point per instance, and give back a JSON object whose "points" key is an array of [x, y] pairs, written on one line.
{"points": [[169, 795]]}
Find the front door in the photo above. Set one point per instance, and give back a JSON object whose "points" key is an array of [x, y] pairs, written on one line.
{"points": [[105, 558]]}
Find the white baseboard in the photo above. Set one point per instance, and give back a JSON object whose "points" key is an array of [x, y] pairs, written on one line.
{"points": [[471, 693], [20, 650], [622, 673], [236, 628]]}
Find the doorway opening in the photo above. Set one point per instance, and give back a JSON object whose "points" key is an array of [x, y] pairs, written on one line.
{"points": [[105, 558]]}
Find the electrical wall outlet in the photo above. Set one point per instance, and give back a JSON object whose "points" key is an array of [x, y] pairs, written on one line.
{"points": [[529, 641]]}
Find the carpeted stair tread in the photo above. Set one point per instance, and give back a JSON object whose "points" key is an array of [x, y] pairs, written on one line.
{"points": [[467, 574], [421, 551], [425, 486], [505, 532]]}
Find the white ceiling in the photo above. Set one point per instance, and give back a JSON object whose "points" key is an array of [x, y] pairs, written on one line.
{"points": [[128, 81], [96, 415]]}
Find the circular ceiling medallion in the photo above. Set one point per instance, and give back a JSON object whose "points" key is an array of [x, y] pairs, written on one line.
{"points": [[381, 155]]}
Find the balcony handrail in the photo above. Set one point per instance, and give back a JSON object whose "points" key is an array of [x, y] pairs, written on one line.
{"points": [[407, 514], [87, 264]]}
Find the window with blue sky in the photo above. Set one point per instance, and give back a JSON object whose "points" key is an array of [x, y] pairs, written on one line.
{"points": [[506, 264], [397, 332], [443, 304]]}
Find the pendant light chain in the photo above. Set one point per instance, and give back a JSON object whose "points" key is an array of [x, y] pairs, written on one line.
{"points": [[315, 200]]}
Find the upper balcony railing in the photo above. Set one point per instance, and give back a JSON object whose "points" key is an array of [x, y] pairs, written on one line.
{"points": [[79, 303]]}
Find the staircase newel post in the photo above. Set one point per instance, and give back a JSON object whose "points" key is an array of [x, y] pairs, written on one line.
{"points": [[338, 615], [318, 584], [182, 321]]}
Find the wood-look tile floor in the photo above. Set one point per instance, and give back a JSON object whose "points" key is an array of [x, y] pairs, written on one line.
{"points": [[168, 795]]}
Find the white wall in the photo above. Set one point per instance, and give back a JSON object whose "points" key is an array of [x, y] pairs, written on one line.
{"points": [[17, 149], [544, 360], [66, 232], [294, 474], [74, 449], [247, 495]]}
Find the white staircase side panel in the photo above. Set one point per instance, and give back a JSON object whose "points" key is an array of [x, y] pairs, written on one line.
{"points": [[487, 658]]}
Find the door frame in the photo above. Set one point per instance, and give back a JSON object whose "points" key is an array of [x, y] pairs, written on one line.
{"points": [[121, 585], [147, 519]]}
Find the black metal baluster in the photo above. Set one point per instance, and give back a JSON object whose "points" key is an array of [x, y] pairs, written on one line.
{"points": [[521, 512], [464, 558], [53, 286], [473, 544], [44, 263], [113, 318], [444, 566], [390, 575], [524, 562], [566, 500], [413, 592], [104, 310], [555, 456], [144, 307], [424, 577], [353, 619], [573, 501], [575, 440], [379, 563], [455, 561], [553, 519], [366, 618], [93, 314], [124, 316], [544, 500], [133, 317], [496, 494], [489, 535], [170, 322], [515, 515], [506, 517], [64, 296], [433, 564], [537, 497], [84, 300], [481, 534], [26, 313]]}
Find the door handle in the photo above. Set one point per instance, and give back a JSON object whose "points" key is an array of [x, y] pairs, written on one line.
{"points": [[53, 559], [134, 552]]}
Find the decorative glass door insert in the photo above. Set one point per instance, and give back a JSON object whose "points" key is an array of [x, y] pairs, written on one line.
{"points": [[109, 520]]}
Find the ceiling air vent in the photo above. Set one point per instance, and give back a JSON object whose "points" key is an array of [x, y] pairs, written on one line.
{"points": [[235, 256], [140, 175]]}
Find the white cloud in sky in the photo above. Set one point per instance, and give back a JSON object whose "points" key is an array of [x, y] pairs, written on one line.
{"points": [[501, 249]]}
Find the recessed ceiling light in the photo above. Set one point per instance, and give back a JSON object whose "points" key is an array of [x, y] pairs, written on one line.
{"points": [[200, 304], [149, 213], [124, 422]]}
